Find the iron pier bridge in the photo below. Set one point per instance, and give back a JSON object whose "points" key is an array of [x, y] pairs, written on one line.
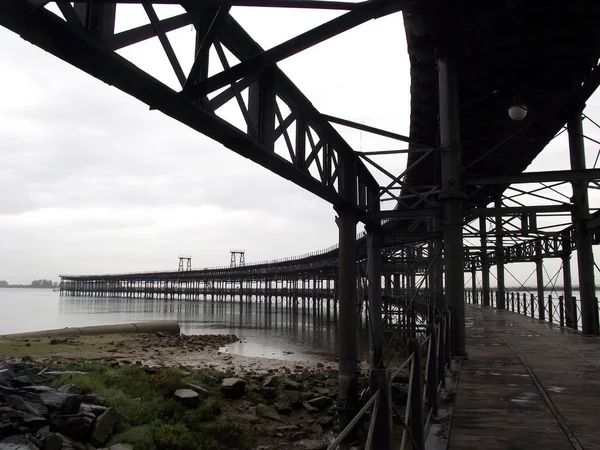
{"points": [[492, 83]]}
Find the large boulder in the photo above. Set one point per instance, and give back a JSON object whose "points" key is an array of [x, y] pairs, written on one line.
{"points": [[187, 397], [233, 387], [60, 403], [199, 389], [58, 441], [77, 426], [104, 426]]}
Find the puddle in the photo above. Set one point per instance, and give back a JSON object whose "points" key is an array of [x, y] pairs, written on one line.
{"points": [[524, 398]]}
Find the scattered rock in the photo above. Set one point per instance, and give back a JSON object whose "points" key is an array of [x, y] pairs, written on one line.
{"points": [[21, 381], [271, 381], [199, 389], [60, 403], [321, 402], [187, 397], [58, 441], [267, 412], [309, 408], [70, 389], [104, 426], [325, 421], [289, 385], [243, 418], [89, 408], [93, 399], [77, 426], [312, 444], [233, 387]]}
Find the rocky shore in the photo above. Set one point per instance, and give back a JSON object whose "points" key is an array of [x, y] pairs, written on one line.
{"points": [[96, 392]]}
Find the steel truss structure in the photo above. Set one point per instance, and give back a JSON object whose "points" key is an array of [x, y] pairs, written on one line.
{"points": [[465, 201]]}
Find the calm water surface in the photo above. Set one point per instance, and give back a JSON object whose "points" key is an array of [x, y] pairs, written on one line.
{"points": [[271, 333]]}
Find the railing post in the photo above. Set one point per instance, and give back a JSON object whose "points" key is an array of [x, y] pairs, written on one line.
{"points": [[512, 301], [550, 311], [518, 303], [561, 311], [432, 373], [416, 397], [532, 305]]}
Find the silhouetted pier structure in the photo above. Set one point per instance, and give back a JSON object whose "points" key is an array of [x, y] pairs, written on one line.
{"points": [[492, 83]]}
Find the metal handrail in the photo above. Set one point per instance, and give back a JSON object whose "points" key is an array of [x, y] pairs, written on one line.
{"points": [[437, 344], [567, 313]]}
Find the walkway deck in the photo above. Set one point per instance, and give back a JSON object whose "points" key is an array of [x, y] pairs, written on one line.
{"points": [[526, 385]]}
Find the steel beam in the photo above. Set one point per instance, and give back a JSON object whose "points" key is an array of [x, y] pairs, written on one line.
{"points": [[583, 236], [362, 13], [533, 177], [452, 197], [512, 210]]}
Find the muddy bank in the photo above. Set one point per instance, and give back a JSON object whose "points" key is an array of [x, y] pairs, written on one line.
{"points": [[154, 350]]}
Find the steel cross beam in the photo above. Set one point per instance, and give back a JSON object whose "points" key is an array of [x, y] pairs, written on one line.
{"points": [[92, 51]]}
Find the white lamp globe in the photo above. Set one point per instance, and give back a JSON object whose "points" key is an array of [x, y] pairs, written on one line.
{"points": [[517, 112]]}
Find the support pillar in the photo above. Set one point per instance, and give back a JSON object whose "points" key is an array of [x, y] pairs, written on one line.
{"points": [[348, 316], [452, 198], [500, 294], [539, 272], [566, 262], [378, 376], [474, 284], [436, 276], [583, 236], [485, 264]]}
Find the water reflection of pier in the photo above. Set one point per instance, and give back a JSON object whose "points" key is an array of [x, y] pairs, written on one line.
{"points": [[281, 323]]}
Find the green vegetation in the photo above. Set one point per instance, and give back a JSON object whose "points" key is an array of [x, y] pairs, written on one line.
{"points": [[151, 418]]}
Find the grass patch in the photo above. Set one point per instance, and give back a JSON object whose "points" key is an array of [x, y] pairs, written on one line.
{"points": [[152, 420], [254, 397]]}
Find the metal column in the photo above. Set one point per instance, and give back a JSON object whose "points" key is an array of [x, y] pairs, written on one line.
{"points": [[583, 237], [378, 376], [500, 295], [566, 261], [485, 265], [452, 198], [348, 315], [539, 272], [436, 276]]}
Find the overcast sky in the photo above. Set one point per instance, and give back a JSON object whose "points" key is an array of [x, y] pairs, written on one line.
{"points": [[92, 181]]}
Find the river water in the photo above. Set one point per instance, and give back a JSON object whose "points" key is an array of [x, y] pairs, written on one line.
{"points": [[278, 332]]}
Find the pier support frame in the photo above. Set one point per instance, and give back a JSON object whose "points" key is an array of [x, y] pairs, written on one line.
{"points": [[583, 236], [452, 197]]}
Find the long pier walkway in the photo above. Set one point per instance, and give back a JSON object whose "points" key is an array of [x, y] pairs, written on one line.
{"points": [[526, 385]]}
